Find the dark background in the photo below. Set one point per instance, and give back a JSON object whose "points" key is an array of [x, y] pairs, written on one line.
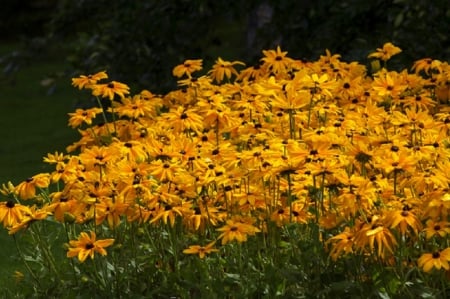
{"points": [[139, 42]]}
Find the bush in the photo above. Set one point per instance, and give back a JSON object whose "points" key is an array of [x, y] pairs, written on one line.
{"points": [[290, 179]]}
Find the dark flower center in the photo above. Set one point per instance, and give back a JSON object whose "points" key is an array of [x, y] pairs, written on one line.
{"points": [[89, 246]]}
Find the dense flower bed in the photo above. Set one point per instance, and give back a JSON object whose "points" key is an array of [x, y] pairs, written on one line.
{"points": [[280, 152]]}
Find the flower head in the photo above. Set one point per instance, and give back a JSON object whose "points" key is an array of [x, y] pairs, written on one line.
{"points": [[12, 213], [276, 60], [81, 116], [187, 68], [437, 260], [27, 188], [110, 89], [222, 69], [236, 230], [87, 245], [88, 81], [386, 52], [202, 251]]}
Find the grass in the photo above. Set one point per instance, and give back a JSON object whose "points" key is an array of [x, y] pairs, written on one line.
{"points": [[33, 123]]}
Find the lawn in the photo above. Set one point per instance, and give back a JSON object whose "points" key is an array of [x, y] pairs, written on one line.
{"points": [[33, 122]]}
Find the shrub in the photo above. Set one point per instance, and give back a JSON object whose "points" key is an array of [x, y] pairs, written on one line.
{"points": [[289, 179]]}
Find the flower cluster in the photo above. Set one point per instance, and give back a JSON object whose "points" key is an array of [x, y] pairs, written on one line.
{"points": [[241, 150]]}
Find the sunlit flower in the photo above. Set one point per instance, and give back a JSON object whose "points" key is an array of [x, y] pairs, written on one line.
{"points": [[376, 236], [403, 220], [187, 68], [202, 251], [27, 188], [8, 189], [426, 65], [97, 156], [436, 228], [111, 211], [386, 52], [87, 246], [388, 84], [12, 213], [182, 119], [29, 216], [276, 60], [236, 230], [55, 158], [110, 89], [88, 81], [437, 260], [222, 69], [136, 107], [81, 116], [341, 244]]}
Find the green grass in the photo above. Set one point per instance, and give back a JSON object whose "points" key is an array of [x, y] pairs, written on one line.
{"points": [[33, 123]]}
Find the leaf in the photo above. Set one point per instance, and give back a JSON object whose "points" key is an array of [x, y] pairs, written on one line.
{"points": [[383, 295]]}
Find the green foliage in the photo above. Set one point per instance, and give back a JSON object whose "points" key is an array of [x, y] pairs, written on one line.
{"points": [[141, 40]]}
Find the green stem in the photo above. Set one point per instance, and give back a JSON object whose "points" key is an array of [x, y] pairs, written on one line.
{"points": [[71, 260], [22, 257], [103, 114]]}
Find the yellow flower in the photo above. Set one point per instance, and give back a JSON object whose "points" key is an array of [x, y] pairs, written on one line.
{"points": [[136, 107], [27, 188], [437, 260], [202, 251], [223, 69], [402, 219], [376, 236], [87, 81], [280, 216], [12, 213], [436, 228], [182, 120], [30, 215], [236, 230], [83, 116], [18, 276], [110, 89], [87, 246], [426, 64], [55, 158], [97, 156], [187, 68], [386, 52], [110, 210], [169, 211], [276, 60], [8, 189], [388, 84], [342, 244]]}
